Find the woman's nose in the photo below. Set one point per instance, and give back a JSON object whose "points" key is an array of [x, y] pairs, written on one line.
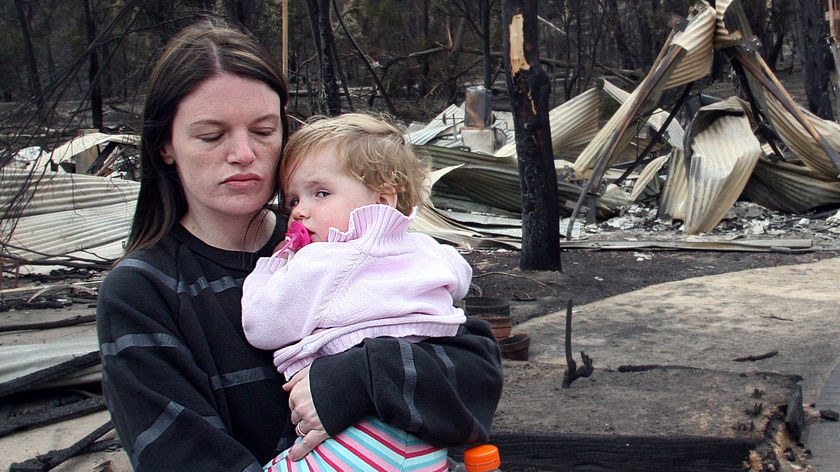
{"points": [[241, 152]]}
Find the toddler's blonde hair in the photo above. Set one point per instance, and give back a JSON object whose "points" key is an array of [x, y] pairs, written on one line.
{"points": [[372, 149]]}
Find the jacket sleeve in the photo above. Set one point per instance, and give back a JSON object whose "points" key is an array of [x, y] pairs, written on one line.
{"points": [[160, 400], [444, 390], [267, 292]]}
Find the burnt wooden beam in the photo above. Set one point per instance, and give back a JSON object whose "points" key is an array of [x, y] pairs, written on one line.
{"points": [[54, 458], [51, 415], [28, 381], [756, 358], [637, 421], [72, 321], [572, 372], [584, 452]]}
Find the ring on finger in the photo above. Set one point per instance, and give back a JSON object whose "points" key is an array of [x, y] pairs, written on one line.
{"points": [[299, 431]]}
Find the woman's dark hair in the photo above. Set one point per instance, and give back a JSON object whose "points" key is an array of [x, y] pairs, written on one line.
{"points": [[195, 54]]}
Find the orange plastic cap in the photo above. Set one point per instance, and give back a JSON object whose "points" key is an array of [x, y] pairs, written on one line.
{"points": [[482, 458]]}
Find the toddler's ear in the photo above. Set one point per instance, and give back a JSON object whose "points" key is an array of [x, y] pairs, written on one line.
{"points": [[389, 197]]}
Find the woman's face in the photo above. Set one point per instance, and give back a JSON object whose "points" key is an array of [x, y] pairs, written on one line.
{"points": [[226, 140]]}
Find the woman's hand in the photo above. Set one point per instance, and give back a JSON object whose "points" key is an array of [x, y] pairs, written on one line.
{"points": [[304, 417]]}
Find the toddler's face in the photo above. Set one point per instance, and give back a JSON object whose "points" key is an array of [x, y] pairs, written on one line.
{"points": [[321, 194]]}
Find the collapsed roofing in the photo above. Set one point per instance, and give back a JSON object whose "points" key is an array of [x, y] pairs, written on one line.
{"points": [[693, 166]]}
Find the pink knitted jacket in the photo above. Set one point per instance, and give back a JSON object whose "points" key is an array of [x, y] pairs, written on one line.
{"points": [[376, 279]]}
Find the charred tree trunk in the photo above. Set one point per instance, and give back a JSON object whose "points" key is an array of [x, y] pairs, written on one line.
{"points": [[246, 13], [93, 70], [646, 53], [813, 29], [34, 80], [454, 61], [322, 33], [615, 28], [529, 89], [332, 96], [484, 5], [425, 63], [379, 85]]}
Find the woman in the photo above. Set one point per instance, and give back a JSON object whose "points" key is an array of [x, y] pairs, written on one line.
{"points": [[185, 389]]}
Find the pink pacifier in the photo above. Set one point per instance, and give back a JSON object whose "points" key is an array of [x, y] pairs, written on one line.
{"points": [[296, 237]]}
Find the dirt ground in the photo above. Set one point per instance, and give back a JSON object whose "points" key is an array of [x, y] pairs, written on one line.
{"points": [[587, 276], [648, 307], [653, 297]]}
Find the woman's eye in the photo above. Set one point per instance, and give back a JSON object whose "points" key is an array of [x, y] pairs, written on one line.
{"points": [[264, 132], [209, 138]]}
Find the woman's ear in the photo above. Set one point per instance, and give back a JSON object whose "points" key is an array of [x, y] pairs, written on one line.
{"points": [[167, 155]]}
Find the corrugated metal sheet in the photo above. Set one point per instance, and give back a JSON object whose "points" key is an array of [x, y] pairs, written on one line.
{"points": [[647, 175], [573, 125], [687, 58], [697, 41], [790, 188], [66, 214], [800, 141], [613, 127], [70, 149], [724, 154], [19, 360], [60, 191], [672, 205], [674, 134], [724, 38], [424, 135], [494, 181], [446, 123]]}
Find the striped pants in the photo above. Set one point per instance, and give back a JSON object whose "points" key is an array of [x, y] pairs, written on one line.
{"points": [[370, 445]]}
